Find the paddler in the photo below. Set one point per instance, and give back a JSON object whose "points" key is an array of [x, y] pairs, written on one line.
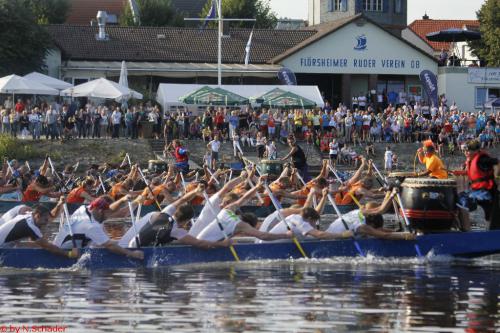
{"points": [[88, 230], [28, 226], [82, 193], [369, 221], [40, 186], [162, 228], [237, 224], [434, 166], [483, 172]]}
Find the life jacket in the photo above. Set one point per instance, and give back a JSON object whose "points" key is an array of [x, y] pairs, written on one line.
{"points": [[273, 187], [345, 198], [156, 234], [156, 193], [479, 179], [30, 194], [115, 191], [178, 157], [305, 191], [75, 195]]}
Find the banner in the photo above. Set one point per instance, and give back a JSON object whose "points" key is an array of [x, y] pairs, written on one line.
{"points": [[287, 77], [429, 81]]}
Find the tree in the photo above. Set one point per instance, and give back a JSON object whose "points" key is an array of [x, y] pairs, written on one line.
{"points": [[488, 48], [256, 9], [153, 13], [24, 43], [49, 11]]}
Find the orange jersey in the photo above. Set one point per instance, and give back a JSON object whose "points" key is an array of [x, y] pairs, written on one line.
{"points": [[156, 194], [115, 192], [30, 194], [345, 198], [273, 187], [75, 196]]}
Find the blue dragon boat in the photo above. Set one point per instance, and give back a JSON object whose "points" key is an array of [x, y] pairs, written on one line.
{"points": [[454, 244]]}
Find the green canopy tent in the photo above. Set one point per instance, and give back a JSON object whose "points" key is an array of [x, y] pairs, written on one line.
{"points": [[214, 96], [278, 98]]}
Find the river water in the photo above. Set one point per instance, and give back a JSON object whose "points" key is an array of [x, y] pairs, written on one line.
{"points": [[334, 295]]}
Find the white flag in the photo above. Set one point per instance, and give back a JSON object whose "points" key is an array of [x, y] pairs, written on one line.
{"points": [[247, 49]]}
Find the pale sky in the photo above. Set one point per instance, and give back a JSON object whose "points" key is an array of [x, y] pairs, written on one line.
{"points": [[436, 9]]}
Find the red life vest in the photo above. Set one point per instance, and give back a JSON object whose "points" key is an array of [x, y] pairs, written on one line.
{"points": [[479, 179], [178, 157], [31, 194]]}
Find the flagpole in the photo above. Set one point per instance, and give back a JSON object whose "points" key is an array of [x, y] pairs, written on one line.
{"points": [[219, 56]]}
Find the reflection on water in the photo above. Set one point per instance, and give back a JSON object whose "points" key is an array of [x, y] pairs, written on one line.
{"points": [[340, 295]]}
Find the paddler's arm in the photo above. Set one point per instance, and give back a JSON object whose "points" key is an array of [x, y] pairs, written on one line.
{"points": [[231, 184], [292, 151], [44, 167], [423, 174], [321, 204], [187, 197], [324, 170], [325, 235], [44, 244], [87, 196], [386, 204], [115, 248], [245, 228], [358, 174], [384, 234], [203, 244], [247, 196], [420, 154], [58, 207]]}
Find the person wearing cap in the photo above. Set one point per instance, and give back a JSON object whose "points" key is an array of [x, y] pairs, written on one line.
{"points": [[88, 230], [434, 166], [483, 173], [27, 225]]}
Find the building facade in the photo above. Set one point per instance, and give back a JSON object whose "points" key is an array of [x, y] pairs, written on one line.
{"points": [[390, 14]]}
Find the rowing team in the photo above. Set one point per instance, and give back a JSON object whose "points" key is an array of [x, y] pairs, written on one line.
{"points": [[218, 221]]}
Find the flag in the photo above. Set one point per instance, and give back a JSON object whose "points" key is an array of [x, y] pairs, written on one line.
{"points": [[247, 49], [211, 14]]}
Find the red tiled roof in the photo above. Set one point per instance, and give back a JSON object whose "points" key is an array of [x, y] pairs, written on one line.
{"points": [[83, 11], [423, 27]]}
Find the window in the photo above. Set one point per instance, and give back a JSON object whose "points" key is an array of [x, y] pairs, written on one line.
{"points": [[398, 6], [480, 96], [337, 5], [373, 5]]}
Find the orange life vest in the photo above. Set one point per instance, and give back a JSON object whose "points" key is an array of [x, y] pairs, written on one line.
{"points": [[30, 194], [75, 195], [479, 179]]}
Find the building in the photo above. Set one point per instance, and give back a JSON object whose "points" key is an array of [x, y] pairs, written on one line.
{"points": [[84, 11], [345, 58], [390, 14]]}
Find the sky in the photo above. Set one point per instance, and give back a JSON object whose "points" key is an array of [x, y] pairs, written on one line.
{"points": [[436, 9]]}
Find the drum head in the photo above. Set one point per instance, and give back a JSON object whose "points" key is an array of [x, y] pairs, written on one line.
{"points": [[429, 182], [401, 174]]}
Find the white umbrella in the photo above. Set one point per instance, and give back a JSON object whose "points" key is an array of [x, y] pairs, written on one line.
{"points": [[101, 88], [49, 81], [14, 84]]}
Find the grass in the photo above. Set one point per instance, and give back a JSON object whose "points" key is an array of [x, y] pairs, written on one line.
{"points": [[13, 148]]}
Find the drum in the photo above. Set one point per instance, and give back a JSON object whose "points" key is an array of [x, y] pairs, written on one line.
{"points": [[429, 204], [400, 176], [273, 168], [157, 166]]}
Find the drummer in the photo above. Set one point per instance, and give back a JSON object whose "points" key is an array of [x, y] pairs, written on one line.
{"points": [[434, 166], [480, 169]]}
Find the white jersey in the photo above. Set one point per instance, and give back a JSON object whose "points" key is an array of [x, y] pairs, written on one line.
{"points": [[20, 227], [207, 215], [297, 224], [352, 219], [212, 232], [86, 231], [13, 212], [270, 221]]}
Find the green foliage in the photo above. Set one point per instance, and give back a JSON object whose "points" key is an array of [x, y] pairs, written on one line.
{"points": [[49, 11], [13, 148], [24, 43], [118, 158], [254, 9], [488, 48], [153, 13]]}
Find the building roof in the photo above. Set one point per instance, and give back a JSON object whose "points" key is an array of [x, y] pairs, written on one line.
{"points": [[170, 44], [325, 29], [83, 11], [422, 27]]}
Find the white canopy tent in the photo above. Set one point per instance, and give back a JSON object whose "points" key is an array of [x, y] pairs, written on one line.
{"points": [[168, 94], [49, 81], [17, 85], [101, 88]]}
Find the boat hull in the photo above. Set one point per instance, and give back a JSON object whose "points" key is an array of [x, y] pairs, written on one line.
{"points": [[260, 211], [469, 245]]}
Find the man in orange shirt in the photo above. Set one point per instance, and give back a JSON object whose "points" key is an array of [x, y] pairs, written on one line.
{"points": [[434, 166]]}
